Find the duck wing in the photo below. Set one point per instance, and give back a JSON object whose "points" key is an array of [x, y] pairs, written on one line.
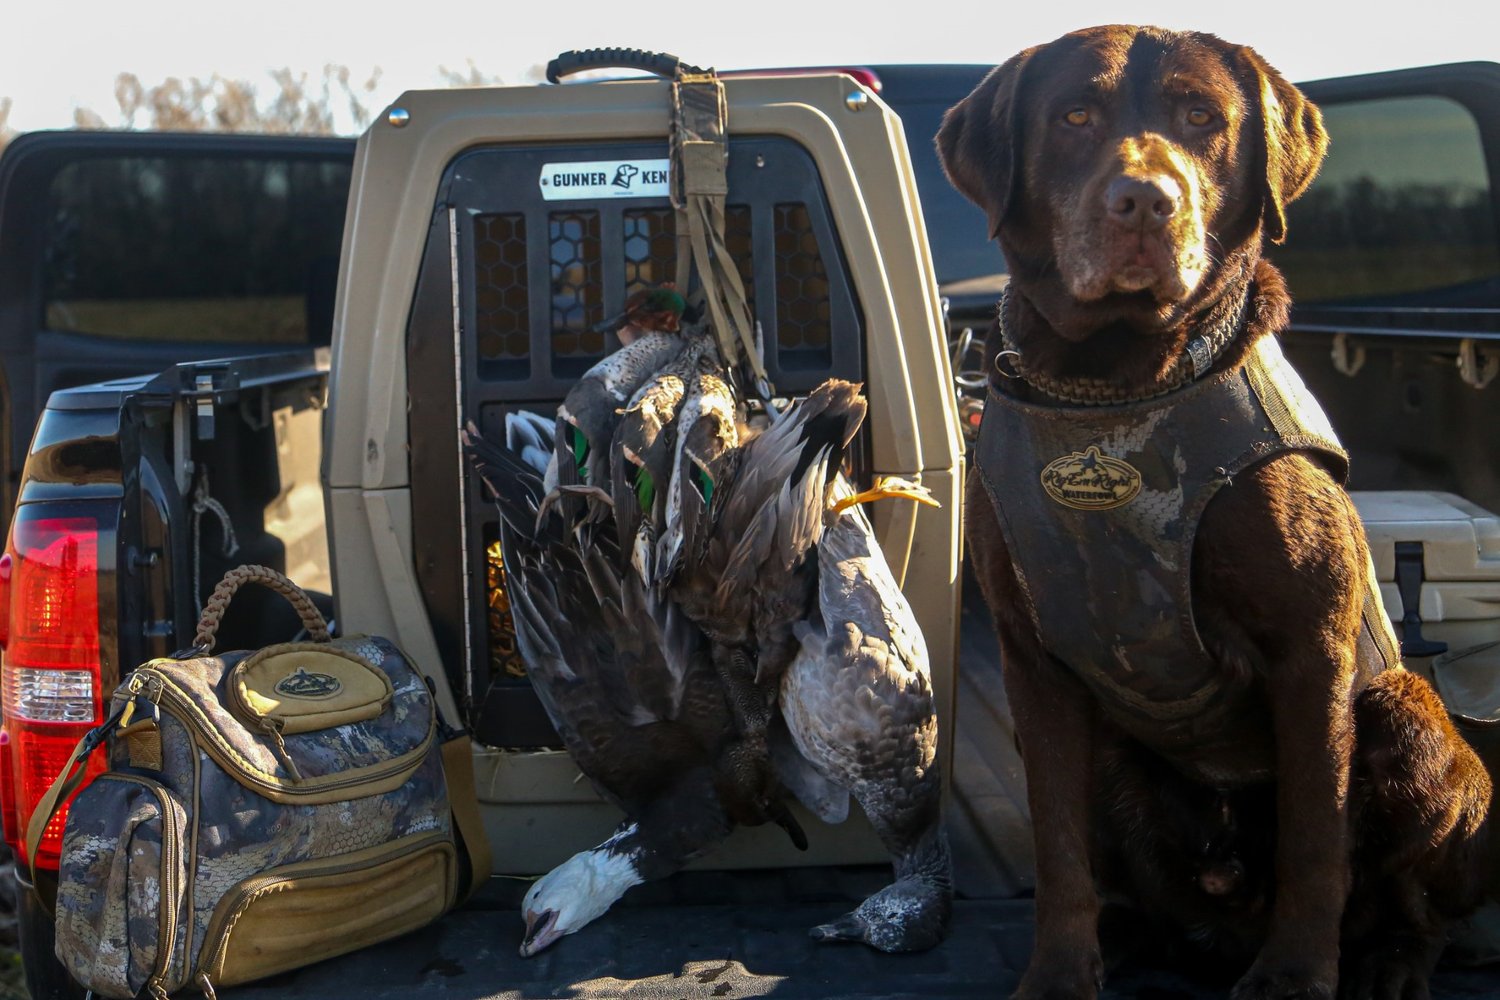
{"points": [[825, 799], [754, 577], [613, 668], [531, 434]]}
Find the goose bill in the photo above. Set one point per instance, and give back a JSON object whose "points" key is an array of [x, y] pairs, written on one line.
{"points": [[541, 931]]}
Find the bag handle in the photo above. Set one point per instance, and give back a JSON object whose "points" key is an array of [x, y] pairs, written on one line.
{"points": [[218, 603]]}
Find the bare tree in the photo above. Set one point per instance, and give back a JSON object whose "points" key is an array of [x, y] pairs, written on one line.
{"points": [[333, 102], [473, 76], [298, 105]]}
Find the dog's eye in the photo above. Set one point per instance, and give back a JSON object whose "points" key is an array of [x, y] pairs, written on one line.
{"points": [[1200, 117], [1078, 116]]}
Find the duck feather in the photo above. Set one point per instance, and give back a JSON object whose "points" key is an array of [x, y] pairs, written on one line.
{"points": [[588, 415], [640, 455], [753, 580], [858, 703]]}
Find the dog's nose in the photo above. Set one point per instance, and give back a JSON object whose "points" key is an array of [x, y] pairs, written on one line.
{"points": [[1141, 204]]}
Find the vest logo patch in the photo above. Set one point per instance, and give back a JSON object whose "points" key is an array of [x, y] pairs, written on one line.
{"points": [[307, 684], [1090, 481]]}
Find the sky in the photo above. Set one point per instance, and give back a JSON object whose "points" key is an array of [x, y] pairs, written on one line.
{"points": [[57, 56]]}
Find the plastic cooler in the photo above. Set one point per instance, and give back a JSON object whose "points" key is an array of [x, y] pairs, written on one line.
{"points": [[1437, 557]]}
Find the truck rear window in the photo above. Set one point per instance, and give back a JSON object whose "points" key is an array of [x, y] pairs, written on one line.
{"points": [[196, 248], [1402, 209]]}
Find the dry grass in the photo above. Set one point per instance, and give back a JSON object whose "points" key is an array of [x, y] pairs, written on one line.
{"points": [[12, 980], [6, 132]]}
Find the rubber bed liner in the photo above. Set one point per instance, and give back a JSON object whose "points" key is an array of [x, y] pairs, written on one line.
{"points": [[719, 934]]}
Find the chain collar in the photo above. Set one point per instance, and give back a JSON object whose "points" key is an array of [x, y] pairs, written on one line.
{"points": [[1193, 363]]}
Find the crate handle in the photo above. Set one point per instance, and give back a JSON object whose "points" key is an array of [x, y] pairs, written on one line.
{"points": [[663, 64]]}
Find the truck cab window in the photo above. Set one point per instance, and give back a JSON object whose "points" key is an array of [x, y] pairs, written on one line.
{"points": [[198, 248], [1402, 212]]}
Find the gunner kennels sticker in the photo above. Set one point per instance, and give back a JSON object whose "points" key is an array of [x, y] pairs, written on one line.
{"points": [[604, 179], [1090, 481]]}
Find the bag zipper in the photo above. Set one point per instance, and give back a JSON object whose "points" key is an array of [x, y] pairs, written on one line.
{"points": [[169, 877], [186, 710], [244, 893]]}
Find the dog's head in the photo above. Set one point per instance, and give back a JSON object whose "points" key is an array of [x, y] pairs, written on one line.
{"points": [[1122, 167]]}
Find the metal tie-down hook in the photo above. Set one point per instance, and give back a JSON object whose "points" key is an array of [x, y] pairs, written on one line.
{"points": [[1477, 370]]}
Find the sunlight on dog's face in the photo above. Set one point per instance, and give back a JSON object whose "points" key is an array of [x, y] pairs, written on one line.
{"points": [[1144, 138], [1127, 171]]}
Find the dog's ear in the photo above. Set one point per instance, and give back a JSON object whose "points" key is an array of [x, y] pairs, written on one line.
{"points": [[1292, 144], [979, 142]]}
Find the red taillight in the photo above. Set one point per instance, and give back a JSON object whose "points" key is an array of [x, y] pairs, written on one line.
{"points": [[50, 672], [5, 562], [7, 780], [54, 594], [39, 759]]}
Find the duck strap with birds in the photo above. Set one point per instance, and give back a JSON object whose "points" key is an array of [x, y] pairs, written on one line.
{"points": [[699, 165]]}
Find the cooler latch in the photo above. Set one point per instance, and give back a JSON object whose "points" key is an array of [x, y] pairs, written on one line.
{"points": [[1410, 572]]}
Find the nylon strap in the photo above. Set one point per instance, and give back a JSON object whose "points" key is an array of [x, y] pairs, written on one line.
{"points": [[65, 784], [700, 183], [463, 799]]}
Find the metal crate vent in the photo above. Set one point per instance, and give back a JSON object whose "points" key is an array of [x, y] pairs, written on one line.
{"points": [[647, 256], [502, 320], [577, 271], [803, 312], [650, 248]]}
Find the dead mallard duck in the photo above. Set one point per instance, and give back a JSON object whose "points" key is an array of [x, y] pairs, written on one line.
{"points": [[587, 418], [642, 452], [624, 679]]}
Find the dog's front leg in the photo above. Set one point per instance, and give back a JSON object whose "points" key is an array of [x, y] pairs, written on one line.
{"points": [[1055, 722], [1314, 740], [1301, 602]]}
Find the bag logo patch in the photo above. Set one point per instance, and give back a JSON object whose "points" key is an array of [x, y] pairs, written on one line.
{"points": [[1090, 481], [309, 685]]}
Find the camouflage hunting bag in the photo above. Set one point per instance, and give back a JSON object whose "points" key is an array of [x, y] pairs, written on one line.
{"points": [[262, 810]]}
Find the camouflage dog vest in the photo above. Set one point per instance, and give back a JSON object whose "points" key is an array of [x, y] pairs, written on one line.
{"points": [[1099, 506]]}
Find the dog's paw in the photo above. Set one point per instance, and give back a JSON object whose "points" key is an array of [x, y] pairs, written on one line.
{"points": [[1076, 979], [1391, 973], [1286, 981]]}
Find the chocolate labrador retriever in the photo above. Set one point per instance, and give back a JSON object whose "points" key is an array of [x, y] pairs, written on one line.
{"points": [[1215, 723]]}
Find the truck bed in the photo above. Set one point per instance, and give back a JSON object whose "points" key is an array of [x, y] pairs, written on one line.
{"points": [[744, 934], [696, 946]]}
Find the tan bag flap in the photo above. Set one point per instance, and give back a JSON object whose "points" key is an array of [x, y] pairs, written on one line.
{"points": [[301, 687]]}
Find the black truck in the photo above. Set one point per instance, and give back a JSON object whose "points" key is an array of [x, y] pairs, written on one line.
{"points": [[218, 350]]}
